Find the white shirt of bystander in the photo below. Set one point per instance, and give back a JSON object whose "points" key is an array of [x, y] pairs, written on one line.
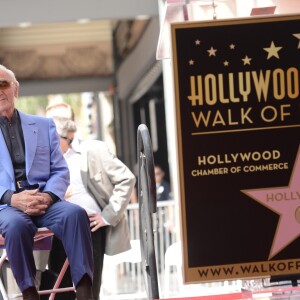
{"points": [[77, 192]]}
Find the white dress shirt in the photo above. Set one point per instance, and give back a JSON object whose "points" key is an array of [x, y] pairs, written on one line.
{"points": [[77, 192]]}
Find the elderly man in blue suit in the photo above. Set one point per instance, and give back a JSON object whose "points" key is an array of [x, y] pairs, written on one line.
{"points": [[33, 180]]}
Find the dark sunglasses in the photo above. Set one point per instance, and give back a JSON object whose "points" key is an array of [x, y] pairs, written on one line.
{"points": [[4, 84], [69, 141]]}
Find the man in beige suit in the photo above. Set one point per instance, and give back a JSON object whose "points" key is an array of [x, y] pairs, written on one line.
{"points": [[102, 184]]}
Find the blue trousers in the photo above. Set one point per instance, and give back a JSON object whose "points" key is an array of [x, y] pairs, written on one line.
{"points": [[69, 223]]}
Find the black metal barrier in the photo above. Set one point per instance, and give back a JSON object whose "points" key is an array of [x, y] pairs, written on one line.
{"points": [[147, 207]]}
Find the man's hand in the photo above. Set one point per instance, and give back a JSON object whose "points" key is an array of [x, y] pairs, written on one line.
{"points": [[96, 221], [31, 202], [46, 198]]}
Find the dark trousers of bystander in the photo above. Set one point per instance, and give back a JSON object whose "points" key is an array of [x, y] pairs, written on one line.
{"points": [[57, 259]]}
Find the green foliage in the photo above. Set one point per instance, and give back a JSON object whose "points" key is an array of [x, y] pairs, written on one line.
{"points": [[37, 105], [75, 101], [32, 105]]}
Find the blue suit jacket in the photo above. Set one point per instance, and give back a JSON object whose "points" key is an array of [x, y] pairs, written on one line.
{"points": [[45, 163]]}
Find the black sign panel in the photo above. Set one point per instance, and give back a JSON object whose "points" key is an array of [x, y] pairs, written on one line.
{"points": [[238, 118]]}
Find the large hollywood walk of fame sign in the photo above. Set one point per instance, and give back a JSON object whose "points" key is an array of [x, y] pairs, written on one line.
{"points": [[238, 130]]}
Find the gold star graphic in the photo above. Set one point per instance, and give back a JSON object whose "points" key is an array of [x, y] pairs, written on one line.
{"points": [[273, 51], [226, 63], [191, 62], [212, 51], [232, 46], [246, 60], [297, 35], [197, 42]]}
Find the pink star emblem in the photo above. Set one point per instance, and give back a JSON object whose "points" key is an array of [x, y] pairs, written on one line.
{"points": [[285, 201]]}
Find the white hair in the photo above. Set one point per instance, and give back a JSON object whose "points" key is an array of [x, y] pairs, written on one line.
{"points": [[10, 73], [64, 125]]}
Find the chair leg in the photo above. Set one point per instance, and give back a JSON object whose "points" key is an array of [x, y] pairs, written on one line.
{"points": [[42, 242], [2, 288], [59, 279]]}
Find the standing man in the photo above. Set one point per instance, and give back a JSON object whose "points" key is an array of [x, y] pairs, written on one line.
{"points": [[162, 186], [33, 180], [102, 185]]}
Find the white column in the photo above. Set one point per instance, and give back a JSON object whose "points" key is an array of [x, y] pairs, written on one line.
{"points": [[170, 117]]}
